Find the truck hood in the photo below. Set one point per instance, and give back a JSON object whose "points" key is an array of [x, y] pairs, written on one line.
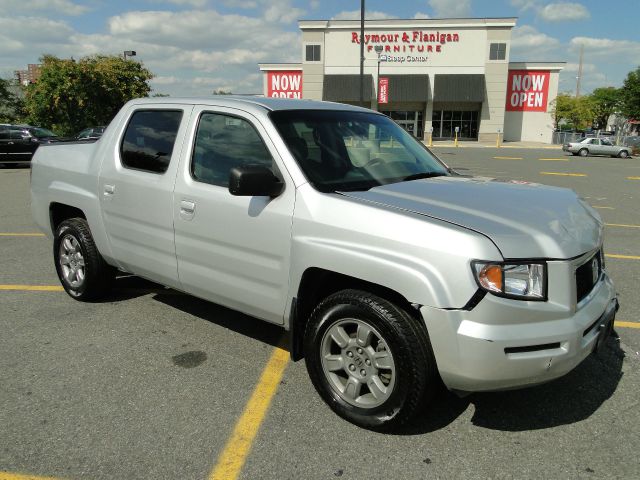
{"points": [[524, 220]]}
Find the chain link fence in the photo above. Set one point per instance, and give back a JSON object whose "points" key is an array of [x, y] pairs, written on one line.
{"points": [[560, 138]]}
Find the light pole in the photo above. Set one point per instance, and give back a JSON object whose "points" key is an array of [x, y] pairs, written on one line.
{"points": [[378, 49], [362, 53], [129, 53]]}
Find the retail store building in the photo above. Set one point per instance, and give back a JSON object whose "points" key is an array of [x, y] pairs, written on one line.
{"points": [[440, 74]]}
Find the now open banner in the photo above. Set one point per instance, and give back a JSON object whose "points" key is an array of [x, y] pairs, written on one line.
{"points": [[527, 91], [383, 90], [284, 84]]}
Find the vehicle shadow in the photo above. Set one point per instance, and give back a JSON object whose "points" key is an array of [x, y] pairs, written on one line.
{"points": [[127, 287], [566, 400], [235, 321]]}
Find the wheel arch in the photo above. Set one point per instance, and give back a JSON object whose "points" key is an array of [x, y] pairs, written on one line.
{"points": [[59, 212], [317, 284]]}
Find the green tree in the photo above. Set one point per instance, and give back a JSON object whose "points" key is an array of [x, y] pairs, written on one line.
{"points": [[11, 104], [221, 91], [605, 101], [630, 95], [71, 95], [578, 112]]}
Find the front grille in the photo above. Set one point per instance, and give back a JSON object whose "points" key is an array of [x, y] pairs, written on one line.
{"points": [[587, 276]]}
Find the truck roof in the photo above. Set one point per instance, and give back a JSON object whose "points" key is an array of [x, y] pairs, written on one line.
{"points": [[245, 101]]}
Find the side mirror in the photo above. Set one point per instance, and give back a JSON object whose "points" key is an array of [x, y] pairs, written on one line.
{"points": [[254, 180]]}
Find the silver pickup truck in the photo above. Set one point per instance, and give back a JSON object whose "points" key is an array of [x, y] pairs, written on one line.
{"points": [[389, 271]]}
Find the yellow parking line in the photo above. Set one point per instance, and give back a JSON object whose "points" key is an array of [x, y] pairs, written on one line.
{"points": [[564, 174], [626, 324], [22, 476], [553, 159], [238, 446], [622, 225], [508, 158], [623, 257], [11, 234], [33, 288], [633, 178]]}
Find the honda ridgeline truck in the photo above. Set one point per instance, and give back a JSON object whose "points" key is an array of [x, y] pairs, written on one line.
{"points": [[388, 269]]}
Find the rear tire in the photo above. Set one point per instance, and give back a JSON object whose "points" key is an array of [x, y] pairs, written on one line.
{"points": [[583, 152], [369, 360], [81, 269]]}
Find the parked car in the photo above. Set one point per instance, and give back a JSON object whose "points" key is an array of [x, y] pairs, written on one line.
{"points": [[390, 272], [596, 146], [19, 142], [91, 133]]}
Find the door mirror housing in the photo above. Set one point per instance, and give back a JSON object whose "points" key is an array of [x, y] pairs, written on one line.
{"points": [[254, 180]]}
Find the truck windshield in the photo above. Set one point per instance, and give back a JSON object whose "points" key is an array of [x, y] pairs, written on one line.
{"points": [[345, 151]]}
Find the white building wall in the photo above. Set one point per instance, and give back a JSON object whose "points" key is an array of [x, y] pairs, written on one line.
{"points": [[533, 126]]}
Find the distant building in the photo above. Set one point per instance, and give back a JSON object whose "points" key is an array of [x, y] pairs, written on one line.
{"points": [[444, 77], [30, 75]]}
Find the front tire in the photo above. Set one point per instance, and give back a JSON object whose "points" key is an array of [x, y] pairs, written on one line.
{"points": [[81, 269], [369, 360], [623, 154], [583, 152]]}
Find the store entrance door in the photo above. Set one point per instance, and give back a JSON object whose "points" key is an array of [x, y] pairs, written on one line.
{"points": [[410, 120], [444, 124]]}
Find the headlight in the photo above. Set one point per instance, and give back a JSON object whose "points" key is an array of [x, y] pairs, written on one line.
{"points": [[526, 281]]}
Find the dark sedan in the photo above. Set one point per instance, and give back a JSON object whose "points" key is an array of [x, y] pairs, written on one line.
{"points": [[19, 142]]}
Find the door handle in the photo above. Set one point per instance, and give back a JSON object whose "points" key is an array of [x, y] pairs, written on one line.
{"points": [[187, 207], [109, 190]]}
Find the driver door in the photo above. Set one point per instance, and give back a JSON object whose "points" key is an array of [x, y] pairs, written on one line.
{"points": [[232, 250]]}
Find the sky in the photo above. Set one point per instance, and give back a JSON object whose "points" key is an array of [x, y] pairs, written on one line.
{"points": [[194, 47]]}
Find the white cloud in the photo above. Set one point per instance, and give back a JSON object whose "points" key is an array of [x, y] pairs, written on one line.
{"points": [[451, 9], [532, 42], [525, 5], [282, 11], [420, 15], [368, 15], [554, 12], [177, 46], [66, 7], [190, 3], [608, 49], [564, 12]]}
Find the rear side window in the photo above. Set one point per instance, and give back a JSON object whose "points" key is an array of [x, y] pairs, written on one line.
{"points": [[223, 142], [149, 139]]}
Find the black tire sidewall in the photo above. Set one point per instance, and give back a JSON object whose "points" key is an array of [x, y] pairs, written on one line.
{"points": [[378, 416], [64, 229]]}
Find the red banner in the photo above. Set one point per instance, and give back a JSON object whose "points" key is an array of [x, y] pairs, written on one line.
{"points": [[284, 84], [527, 91], [383, 90]]}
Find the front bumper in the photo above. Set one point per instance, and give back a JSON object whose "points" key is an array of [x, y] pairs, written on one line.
{"points": [[503, 344]]}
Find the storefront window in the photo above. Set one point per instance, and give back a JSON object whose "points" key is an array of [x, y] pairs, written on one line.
{"points": [[410, 120], [444, 123]]}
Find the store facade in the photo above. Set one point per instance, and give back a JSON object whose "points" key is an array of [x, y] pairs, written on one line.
{"points": [[440, 77]]}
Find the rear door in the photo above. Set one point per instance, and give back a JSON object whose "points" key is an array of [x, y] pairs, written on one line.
{"points": [[232, 250], [136, 189], [6, 145], [594, 146]]}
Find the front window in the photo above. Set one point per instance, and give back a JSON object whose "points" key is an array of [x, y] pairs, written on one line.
{"points": [[41, 132], [347, 151]]}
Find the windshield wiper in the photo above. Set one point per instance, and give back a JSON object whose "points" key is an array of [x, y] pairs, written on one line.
{"points": [[418, 176]]}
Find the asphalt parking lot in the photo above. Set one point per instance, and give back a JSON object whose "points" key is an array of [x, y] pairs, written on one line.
{"points": [[156, 384]]}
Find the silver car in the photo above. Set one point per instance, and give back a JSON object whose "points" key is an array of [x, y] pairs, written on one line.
{"points": [[596, 146]]}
